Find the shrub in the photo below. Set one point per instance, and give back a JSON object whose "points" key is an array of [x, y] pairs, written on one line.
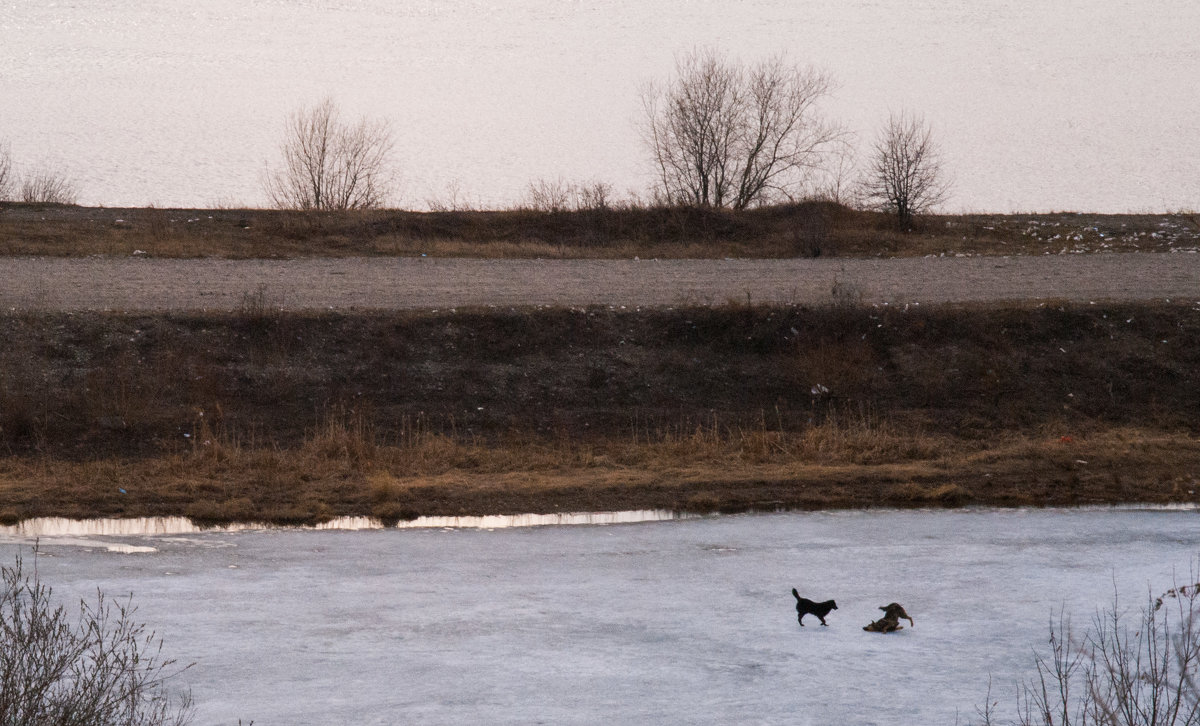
{"points": [[558, 195], [98, 669], [1115, 673], [7, 175], [329, 164], [45, 186]]}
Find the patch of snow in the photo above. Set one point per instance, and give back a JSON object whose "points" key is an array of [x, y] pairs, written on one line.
{"points": [[63, 527]]}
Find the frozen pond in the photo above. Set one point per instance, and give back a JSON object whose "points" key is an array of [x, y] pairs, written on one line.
{"points": [[687, 621]]}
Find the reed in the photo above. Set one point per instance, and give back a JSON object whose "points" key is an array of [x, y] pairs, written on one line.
{"points": [[694, 473]]}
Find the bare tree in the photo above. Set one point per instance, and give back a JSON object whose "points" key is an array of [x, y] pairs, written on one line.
{"points": [[905, 175], [328, 164], [838, 179], [101, 669], [44, 186], [1117, 674], [7, 176], [723, 134]]}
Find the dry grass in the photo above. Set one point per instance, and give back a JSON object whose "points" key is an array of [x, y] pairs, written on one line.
{"points": [[95, 384], [339, 472], [294, 417], [807, 229]]}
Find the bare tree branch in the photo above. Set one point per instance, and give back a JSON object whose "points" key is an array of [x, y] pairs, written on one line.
{"points": [[101, 669], [7, 175], [726, 135], [1118, 673], [44, 186], [559, 195], [905, 175], [328, 164]]}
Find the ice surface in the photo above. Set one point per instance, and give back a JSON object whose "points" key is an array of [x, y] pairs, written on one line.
{"points": [[132, 526], [64, 527], [688, 621]]}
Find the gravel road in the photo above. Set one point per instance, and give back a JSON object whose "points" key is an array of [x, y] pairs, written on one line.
{"points": [[141, 284]]}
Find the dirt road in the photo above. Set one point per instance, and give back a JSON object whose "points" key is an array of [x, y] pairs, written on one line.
{"points": [[140, 284]]}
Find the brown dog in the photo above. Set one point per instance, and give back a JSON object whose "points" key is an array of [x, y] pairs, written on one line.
{"points": [[890, 622]]}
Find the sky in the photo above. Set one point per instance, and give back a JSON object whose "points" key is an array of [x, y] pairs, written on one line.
{"points": [[1083, 105]]}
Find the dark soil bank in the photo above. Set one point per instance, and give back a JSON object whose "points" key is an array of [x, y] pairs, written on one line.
{"points": [[82, 386]]}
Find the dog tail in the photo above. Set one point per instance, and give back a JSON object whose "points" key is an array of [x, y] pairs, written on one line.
{"points": [[795, 593]]}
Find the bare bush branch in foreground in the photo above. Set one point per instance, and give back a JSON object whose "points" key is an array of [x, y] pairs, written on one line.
{"points": [[100, 668], [1117, 673], [331, 165]]}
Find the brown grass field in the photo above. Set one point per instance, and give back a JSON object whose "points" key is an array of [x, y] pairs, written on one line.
{"points": [[293, 417], [810, 229]]}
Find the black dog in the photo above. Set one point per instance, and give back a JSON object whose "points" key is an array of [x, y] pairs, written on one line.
{"points": [[805, 606]]}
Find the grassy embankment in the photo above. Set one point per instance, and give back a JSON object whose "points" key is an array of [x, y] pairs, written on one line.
{"points": [[808, 229], [261, 415]]}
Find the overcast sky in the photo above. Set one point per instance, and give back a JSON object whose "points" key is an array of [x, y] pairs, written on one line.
{"points": [[1074, 104]]}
